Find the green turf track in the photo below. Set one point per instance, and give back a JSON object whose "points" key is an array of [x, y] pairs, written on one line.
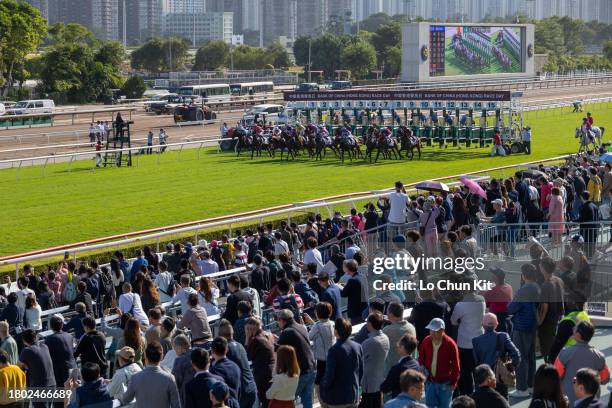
{"points": [[40, 210]]}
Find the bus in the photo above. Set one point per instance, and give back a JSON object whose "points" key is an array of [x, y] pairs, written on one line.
{"points": [[251, 88], [209, 93]]}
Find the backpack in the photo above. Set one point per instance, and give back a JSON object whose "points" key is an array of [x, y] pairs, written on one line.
{"points": [[93, 287], [105, 284], [70, 291], [289, 302]]}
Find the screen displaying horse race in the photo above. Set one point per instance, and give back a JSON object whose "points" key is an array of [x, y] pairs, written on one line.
{"points": [[474, 50]]}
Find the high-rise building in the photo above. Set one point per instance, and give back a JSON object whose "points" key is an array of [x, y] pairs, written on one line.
{"points": [[128, 21], [251, 14], [184, 6], [71, 11], [605, 12], [105, 19], [150, 18], [279, 18], [199, 27], [42, 5], [228, 6], [313, 16], [363, 9]]}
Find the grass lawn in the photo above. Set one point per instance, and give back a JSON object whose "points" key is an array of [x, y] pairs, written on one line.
{"points": [[42, 210]]}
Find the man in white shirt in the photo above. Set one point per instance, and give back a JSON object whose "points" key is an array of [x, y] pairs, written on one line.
{"points": [[163, 282], [183, 294], [312, 254], [207, 265], [280, 246], [130, 303], [23, 293], [398, 201]]}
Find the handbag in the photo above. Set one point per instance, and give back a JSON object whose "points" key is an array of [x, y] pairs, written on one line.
{"points": [[502, 370]]}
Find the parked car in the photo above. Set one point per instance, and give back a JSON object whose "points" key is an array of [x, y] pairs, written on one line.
{"points": [[338, 85], [32, 106], [158, 103], [307, 87]]}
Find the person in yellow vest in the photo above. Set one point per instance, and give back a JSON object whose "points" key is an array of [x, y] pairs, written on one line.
{"points": [[594, 185], [11, 378], [574, 313]]}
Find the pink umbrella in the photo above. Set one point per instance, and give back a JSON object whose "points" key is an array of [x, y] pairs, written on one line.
{"points": [[473, 186]]}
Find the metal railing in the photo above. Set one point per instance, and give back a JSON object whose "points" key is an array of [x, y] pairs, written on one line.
{"points": [[44, 160], [195, 227]]}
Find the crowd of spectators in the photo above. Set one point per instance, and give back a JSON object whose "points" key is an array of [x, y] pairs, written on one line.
{"points": [[276, 333]]}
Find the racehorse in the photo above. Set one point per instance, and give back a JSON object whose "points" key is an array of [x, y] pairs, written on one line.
{"points": [[243, 141], [594, 138], [259, 143], [376, 139], [348, 145], [408, 141]]}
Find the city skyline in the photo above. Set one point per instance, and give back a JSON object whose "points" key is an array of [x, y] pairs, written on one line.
{"points": [[265, 21]]}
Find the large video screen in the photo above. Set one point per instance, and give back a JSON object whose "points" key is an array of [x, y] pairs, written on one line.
{"points": [[474, 50]]}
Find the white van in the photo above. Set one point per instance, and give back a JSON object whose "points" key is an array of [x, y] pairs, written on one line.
{"points": [[269, 111], [32, 107], [2, 109]]}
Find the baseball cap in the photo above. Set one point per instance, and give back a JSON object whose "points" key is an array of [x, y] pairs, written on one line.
{"points": [[169, 247], [203, 243], [489, 320], [127, 353], [399, 238], [219, 390], [213, 244], [497, 201], [436, 324]]}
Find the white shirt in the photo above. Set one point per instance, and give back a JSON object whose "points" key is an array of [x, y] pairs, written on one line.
{"points": [[121, 378], [168, 361], [32, 316], [280, 247], [211, 308], [470, 312], [183, 296], [162, 281], [21, 297], [397, 212], [207, 266], [130, 303], [313, 256]]}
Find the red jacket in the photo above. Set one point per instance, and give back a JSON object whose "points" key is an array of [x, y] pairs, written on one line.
{"points": [[447, 369]]}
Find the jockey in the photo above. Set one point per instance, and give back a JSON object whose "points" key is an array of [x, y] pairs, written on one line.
{"points": [[276, 132], [589, 119], [324, 134], [387, 132], [258, 130], [347, 136], [312, 128]]}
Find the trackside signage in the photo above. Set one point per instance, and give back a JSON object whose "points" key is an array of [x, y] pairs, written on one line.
{"points": [[497, 96]]}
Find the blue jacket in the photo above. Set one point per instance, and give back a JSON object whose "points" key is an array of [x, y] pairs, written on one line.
{"points": [[306, 293], [485, 348], [94, 392], [197, 391], [392, 382], [343, 372], [237, 354], [332, 296], [230, 372], [524, 307], [402, 401], [135, 268]]}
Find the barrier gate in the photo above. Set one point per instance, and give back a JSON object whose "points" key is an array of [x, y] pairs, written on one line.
{"points": [[441, 117]]}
